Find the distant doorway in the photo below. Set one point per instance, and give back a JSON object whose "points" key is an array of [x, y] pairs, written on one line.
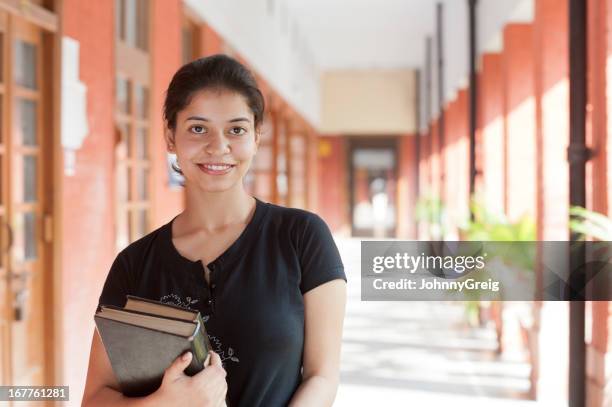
{"points": [[372, 187]]}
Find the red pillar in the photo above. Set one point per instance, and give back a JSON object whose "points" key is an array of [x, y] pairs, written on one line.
{"points": [[551, 67], [165, 60], [406, 201], [520, 114], [87, 198], [333, 170], [492, 128], [210, 42]]}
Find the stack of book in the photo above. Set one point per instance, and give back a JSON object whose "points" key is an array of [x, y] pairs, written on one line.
{"points": [[143, 338]]}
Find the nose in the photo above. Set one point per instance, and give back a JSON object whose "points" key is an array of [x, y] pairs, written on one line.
{"points": [[217, 143]]}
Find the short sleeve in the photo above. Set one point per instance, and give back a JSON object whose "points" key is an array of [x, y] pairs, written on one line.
{"points": [[118, 283], [319, 257]]}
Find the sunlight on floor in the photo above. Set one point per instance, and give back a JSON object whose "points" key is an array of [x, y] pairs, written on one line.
{"points": [[420, 354]]}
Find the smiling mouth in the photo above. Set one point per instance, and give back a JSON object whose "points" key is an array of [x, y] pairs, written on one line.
{"points": [[216, 169]]}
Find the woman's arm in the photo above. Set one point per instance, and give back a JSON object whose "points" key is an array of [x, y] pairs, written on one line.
{"points": [[324, 308], [207, 388], [101, 388]]}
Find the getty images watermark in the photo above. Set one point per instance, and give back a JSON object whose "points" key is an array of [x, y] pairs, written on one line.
{"points": [[439, 270]]}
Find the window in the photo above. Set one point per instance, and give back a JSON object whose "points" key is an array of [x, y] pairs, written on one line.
{"points": [[132, 117], [132, 23]]}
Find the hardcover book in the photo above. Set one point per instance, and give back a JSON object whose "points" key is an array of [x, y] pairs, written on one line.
{"points": [[143, 338]]}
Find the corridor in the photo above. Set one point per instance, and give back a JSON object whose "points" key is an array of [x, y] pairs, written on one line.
{"points": [[416, 120], [420, 354]]}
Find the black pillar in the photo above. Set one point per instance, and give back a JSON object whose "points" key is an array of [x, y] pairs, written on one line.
{"points": [[473, 100], [578, 155]]}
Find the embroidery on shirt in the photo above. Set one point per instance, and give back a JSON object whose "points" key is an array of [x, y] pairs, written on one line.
{"points": [[214, 341], [218, 348], [176, 300]]}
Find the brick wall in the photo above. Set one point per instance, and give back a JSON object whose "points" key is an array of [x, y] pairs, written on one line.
{"points": [[165, 60], [332, 177], [88, 196]]}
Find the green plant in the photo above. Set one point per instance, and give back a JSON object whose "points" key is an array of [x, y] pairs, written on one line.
{"points": [[431, 210], [590, 224], [488, 226]]}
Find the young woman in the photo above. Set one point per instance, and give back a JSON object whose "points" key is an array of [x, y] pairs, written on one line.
{"points": [[268, 280]]}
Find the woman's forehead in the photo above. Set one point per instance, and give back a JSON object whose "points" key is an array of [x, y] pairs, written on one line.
{"points": [[218, 100]]}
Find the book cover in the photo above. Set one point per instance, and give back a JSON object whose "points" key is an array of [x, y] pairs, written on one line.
{"points": [[139, 355]]}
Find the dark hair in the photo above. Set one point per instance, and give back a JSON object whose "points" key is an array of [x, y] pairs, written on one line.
{"points": [[216, 71]]}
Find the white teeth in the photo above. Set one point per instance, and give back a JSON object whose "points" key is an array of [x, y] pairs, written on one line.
{"points": [[217, 167]]}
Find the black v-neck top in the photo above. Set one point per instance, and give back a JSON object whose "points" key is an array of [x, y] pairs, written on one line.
{"points": [[253, 308]]}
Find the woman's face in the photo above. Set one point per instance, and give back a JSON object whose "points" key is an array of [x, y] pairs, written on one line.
{"points": [[215, 140]]}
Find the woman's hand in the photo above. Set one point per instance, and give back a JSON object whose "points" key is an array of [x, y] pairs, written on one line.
{"points": [[206, 388]]}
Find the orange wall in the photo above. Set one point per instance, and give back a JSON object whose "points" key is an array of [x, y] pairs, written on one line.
{"points": [[550, 64], [165, 60], [210, 42], [456, 158], [598, 92], [88, 196], [518, 56], [406, 201], [552, 96], [492, 125], [333, 205]]}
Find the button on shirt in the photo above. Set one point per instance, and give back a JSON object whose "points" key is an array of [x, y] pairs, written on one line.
{"points": [[253, 308]]}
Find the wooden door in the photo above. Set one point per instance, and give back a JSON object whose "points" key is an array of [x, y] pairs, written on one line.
{"points": [[23, 97], [5, 236]]}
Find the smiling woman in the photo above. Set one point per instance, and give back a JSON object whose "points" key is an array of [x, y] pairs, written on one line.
{"points": [[214, 150], [199, 99], [268, 280]]}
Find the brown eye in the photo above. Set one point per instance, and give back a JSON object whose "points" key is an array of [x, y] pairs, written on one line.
{"points": [[197, 129], [237, 131]]}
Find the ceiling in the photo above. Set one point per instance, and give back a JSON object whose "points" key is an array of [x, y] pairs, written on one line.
{"points": [[362, 34], [293, 43]]}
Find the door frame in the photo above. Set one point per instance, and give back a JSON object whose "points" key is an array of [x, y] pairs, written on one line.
{"points": [[375, 142], [50, 184]]}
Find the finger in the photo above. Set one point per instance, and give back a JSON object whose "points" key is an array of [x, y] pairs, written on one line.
{"points": [[215, 360], [207, 360], [179, 364]]}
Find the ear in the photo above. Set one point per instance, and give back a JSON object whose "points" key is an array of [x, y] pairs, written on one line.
{"points": [[169, 137], [257, 137]]}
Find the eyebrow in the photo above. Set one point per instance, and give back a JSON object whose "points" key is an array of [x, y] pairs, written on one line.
{"points": [[204, 119]]}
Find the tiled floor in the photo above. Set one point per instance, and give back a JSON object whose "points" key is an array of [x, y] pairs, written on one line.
{"points": [[420, 354]]}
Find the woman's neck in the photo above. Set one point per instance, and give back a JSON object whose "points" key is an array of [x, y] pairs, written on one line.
{"points": [[212, 211]]}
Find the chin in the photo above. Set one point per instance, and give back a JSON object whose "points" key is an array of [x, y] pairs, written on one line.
{"points": [[217, 186], [208, 183]]}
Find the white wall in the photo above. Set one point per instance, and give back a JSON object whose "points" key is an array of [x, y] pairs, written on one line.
{"points": [[264, 33], [369, 102], [268, 34]]}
